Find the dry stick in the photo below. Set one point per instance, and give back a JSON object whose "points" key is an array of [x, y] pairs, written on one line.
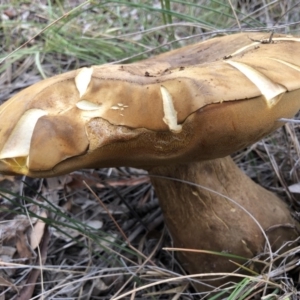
{"points": [[294, 143], [254, 293], [116, 224], [235, 256], [259, 280], [223, 31], [43, 30], [126, 239], [289, 120], [204, 251], [27, 291], [141, 266], [287, 11], [235, 15], [133, 294], [157, 28], [244, 268], [259, 9], [41, 256], [60, 286], [279, 176]]}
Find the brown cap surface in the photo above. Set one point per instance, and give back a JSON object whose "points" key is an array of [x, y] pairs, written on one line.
{"points": [[159, 111]]}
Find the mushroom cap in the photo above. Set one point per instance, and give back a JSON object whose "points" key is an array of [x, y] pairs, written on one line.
{"points": [[199, 102]]}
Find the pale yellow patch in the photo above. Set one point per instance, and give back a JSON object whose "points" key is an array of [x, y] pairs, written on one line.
{"points": [[18, 143], [82, 80], [170, 114], [87, 105], [269, 89]]}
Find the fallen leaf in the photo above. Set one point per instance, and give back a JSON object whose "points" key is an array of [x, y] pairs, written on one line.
{"points": [[37, 231], [22, 246], [295, 188]]}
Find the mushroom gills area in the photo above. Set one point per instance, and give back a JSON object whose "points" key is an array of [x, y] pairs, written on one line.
{"points": [[203, 219]]}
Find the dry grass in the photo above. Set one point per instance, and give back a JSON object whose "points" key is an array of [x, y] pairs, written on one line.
{"points": [[106, 229]]}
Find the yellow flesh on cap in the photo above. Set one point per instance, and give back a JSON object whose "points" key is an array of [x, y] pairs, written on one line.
{"points": [[83, 79], [267, 87], [170, 114]]}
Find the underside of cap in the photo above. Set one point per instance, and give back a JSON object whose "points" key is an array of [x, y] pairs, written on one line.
{"points": [[224, 94]]}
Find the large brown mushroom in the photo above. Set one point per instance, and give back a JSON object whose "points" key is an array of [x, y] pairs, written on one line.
{"points": [[178, 115]]}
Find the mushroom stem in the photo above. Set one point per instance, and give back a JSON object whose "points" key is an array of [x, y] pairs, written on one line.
{"points": [[199, 218]]}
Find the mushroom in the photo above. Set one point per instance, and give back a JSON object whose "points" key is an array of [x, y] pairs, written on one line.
{"points": [[178, 115]]}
